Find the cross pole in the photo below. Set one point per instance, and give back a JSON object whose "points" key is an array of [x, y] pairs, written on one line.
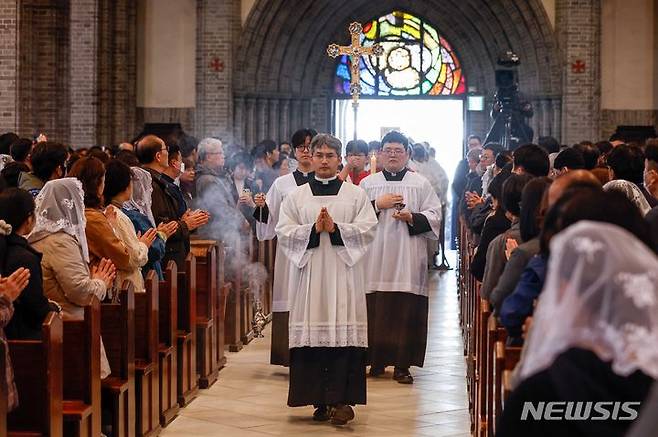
{"points": [[355, 51]]}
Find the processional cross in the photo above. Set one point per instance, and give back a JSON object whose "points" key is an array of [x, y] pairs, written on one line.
{"points": [[355, 51]]}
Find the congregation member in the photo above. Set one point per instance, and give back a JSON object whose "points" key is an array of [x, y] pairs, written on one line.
{"points": [[59, 235], [48, 163], [459, 182], [153, 155], [531, 159], [102, 239], [265, 155], [409, 214], [117, 191], [31, 306], [266, 215], [627, 162], [580, 358], [173, 172], [325, 228], [355, 163]]}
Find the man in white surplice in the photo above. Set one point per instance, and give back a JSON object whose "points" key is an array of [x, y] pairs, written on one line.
{"points": [[325, 228], [267, 217], [409, 213]]}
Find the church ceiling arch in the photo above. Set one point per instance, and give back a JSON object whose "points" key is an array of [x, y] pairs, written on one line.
{"points": [[284, 41]]}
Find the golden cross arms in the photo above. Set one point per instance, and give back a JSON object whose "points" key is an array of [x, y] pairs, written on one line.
{"points": [[355, 51]]}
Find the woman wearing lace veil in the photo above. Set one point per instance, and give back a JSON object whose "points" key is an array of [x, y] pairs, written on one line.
{"points": [[59, 234], [138, 210], [593, 337], [632, 192]]}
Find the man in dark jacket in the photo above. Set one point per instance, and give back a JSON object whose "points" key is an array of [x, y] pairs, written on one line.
{"points": [[153, 155], [459, 185]]}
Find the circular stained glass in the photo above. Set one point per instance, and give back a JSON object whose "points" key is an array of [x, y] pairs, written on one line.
{"points": [[417, 60]]}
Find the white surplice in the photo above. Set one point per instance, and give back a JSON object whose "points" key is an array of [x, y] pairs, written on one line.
{"points": [[281, 187], [397, 261], [328, 307]]}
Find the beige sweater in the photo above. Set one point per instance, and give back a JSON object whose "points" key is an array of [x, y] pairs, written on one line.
{"points": [[138, 252]]}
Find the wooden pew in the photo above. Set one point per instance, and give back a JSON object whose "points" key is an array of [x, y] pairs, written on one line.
{"points": [[146, 358], [495, 335], [232, 336], [4, 390], [167, 355], [82, 380], [38, 374], [205, 252], [511, 358], [224, 289], [187, 387], [118, 334], [481, 362]]}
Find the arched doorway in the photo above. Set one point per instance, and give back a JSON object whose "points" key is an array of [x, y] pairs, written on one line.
{"points": [[284, 79]]}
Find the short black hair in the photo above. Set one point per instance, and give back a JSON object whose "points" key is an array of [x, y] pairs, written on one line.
{"points": [[174, 149], [550, 144], [531, 203], [374, 146], [533, 159], [494, 147], [128, 157], [356, 147], [503, 158], [570, 158], [512, 191], [474, 137], [117, 179], [240, 158], [267, 146], [590, 154], [616, 137], [188, 145], [651, 152], [299, 137], [604, 147], [12, 172], [47, 156], [496, 184], [627, 161], [419, 152], [20, 149], [395, 137], [16, 206], [6, 140]]}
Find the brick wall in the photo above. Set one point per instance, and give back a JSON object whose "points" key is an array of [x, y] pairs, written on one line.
{"points": [[9, 18], [218, 32], [578, 25], [611, 118], [83, 72]]}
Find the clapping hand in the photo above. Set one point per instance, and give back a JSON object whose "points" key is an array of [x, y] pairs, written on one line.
{"points": [[510, 245], [148, 237], [105, 271], [472, 199], [12, 285], [195, 219], [246, 199], [168, 228]]}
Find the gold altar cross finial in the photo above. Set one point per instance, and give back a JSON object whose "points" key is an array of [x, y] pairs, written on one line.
{"points": [[355, 51]]}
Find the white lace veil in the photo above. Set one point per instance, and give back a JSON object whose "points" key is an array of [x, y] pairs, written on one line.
{"points": [[141, 199], [60, 207], [631, 191], [4, 160], [601, 294]]}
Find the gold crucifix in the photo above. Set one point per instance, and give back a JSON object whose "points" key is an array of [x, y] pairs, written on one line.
{"points": [[355, 51]]}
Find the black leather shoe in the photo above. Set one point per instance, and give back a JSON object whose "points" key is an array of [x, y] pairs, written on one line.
{"points": [[321, 414], [341, 414], [403, 376], [377, 371]]}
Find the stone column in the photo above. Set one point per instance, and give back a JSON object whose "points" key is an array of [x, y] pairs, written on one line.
{"points": [[578, 26], [274, 126], [8, 65], [284, 119], [83, 72], [239, 121], [263, 119], [250, 123]]}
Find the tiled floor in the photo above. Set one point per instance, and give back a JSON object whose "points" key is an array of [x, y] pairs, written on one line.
{"points": [[249, 400]]}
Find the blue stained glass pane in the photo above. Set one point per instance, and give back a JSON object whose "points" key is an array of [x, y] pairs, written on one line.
{"points": [[402, 65]]}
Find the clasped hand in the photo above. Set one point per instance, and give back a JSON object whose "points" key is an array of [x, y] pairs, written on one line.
{"points": [[324, 222], [404, 216]]}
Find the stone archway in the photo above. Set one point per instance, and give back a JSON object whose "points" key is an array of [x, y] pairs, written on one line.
{"points": [[283, 76]]}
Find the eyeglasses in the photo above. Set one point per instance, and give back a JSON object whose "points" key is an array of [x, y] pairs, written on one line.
{"points": [[303, 148], [394, 151]]}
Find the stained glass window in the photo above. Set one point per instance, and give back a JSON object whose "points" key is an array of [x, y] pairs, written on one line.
{"points": [[417, 60]]}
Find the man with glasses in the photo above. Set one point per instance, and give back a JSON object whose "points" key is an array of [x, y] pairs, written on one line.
{"points": [[357, 154], [154, 157], [409, 213], [325, 228], [267, 217]]}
